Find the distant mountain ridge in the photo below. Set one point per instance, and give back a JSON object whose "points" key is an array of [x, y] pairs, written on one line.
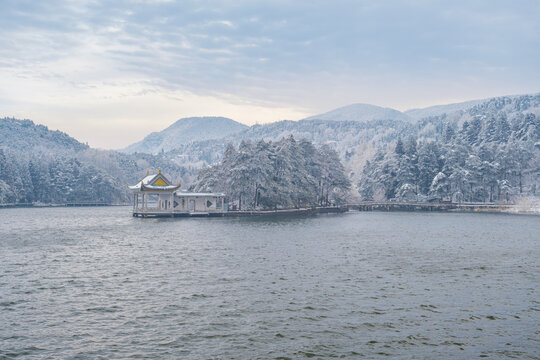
{"points": [[361, 113], [437, 110], [357, 141], [184, 131], [194, 133]]}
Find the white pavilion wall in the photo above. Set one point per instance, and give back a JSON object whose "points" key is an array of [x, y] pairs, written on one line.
{"points": [[200, 204]]}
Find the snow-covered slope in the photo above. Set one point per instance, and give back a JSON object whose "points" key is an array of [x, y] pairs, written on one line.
{"points": [[41, 165], [356, 141], [487, 153], [442, 109], [438, 110], [185, 131], [361, 113], [25, 135]]}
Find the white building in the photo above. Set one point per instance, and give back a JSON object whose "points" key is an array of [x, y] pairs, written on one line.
{"points": [[155, 195]]}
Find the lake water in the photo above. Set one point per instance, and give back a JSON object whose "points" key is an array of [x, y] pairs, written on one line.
{"points": [[95, 282]]}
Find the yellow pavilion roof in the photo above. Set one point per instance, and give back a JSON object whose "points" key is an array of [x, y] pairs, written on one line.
{"points": [[153, 182]]}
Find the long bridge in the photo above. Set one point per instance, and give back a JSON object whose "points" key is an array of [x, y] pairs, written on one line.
{"points": [[417, 206], [379, 206]]}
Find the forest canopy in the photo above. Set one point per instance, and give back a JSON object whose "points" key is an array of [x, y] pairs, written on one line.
{"points": [[282, 174], [486, 159]]}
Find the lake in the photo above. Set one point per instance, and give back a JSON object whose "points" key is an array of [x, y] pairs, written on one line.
{"points": [[96, 282]]}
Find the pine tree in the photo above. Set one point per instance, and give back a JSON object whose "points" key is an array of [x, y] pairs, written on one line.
{"points": [[285, 174], [399, 147], [428, 166]]}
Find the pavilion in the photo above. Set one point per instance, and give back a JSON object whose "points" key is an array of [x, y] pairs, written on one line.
{"points": [[156, 196]]}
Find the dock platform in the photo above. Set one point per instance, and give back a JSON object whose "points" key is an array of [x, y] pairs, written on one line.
{"points": [[246, 213]]}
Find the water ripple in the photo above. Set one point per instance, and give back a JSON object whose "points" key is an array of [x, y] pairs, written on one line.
{"points": [[97, 283]]}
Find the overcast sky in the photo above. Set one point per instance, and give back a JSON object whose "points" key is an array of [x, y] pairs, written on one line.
{"points": [[108, 73]]}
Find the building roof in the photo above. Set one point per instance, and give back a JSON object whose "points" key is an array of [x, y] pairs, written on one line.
{"points": [[153, 182]]}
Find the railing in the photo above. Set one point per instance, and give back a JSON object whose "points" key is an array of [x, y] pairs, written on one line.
{"points": [[417, 206], [152, 210]]}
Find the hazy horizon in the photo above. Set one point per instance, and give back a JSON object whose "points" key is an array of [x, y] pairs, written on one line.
{"points": [[111, 74]]}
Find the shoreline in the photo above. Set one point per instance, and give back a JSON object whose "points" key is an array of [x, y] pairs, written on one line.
{"points": [[515, 209], [39, 206], [447, 207], [361, 207]]}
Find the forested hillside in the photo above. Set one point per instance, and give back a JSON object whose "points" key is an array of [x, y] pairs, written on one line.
{"points": [[351, 138], [490, 153], [24, 135], [39, 165], [346, 137], [282, 174], [483, 151], [357, 142]]}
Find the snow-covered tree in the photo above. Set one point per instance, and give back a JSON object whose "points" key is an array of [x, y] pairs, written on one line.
{"points": [[282, 174]]}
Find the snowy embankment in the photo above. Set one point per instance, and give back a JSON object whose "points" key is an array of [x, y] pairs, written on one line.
{"points": [[526, 205]]}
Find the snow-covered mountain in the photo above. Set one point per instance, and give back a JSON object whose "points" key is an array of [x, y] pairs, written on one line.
{"points": [[361, 113], [25, 135], [37, 164], [490, 152], [357, 141], [438, 110], [345, 127], [342, 136], [185, 131], [40, 165], [443, 109]]}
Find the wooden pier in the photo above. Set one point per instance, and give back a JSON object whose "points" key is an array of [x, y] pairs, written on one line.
{"points": [[246, 213]]}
